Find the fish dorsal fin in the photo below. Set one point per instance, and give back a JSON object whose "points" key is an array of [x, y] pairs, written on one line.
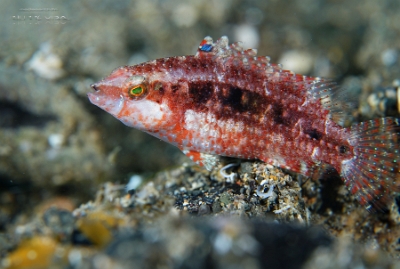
{"points": [[221, 48], [235, 54], [338, 101]]}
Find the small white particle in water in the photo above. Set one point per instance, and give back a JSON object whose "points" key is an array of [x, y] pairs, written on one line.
{"points": [[134, 182], [389, 57], [390, 93], [45, 63], [75, 257], [373, 100], [298, 61], [55, 140], [249, 33], [222, 243]]}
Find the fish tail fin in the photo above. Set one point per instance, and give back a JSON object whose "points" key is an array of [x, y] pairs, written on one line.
{"points": [[373, 174]]}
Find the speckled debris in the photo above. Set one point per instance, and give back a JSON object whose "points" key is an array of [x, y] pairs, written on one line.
{"points": [[189, 217], [258, 188], [164, 223]]}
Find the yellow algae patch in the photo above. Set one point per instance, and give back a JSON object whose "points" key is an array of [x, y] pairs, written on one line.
{"points": [[98, 227], [34, 253]]}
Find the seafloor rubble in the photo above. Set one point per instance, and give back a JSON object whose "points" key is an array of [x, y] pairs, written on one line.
{"points": [[191, 218]]}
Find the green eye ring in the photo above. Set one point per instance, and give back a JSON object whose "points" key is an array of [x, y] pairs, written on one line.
{"points": [[136, 91]]}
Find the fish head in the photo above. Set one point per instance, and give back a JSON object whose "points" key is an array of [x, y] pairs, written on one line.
{"points": [[131, 96]]}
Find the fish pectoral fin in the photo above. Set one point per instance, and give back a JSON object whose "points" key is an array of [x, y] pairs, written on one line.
{"points": [[207, 160]]}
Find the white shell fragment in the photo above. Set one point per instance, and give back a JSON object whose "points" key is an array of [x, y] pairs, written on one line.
{"points": [[46, 64]]}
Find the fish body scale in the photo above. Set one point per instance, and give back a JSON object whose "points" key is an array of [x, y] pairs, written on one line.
{"points": [[227, 101], [214, 113]]}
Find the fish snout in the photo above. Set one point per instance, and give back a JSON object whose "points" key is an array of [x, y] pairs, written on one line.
{"points": [[94, 96], [95, 87]]}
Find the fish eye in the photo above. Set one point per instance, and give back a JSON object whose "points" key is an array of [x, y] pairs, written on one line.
{"points": [[343, 149], [136, 91]]}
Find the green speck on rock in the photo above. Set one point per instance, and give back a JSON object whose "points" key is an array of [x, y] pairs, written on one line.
{"points": [[225, 198]]}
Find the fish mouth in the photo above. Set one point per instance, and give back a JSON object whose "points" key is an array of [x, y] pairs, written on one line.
{"points": [[94, 95], [95, 87], [102, 98]]}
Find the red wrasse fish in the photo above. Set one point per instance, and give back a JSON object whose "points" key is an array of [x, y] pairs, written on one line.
{"points": [[227, 101]]}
